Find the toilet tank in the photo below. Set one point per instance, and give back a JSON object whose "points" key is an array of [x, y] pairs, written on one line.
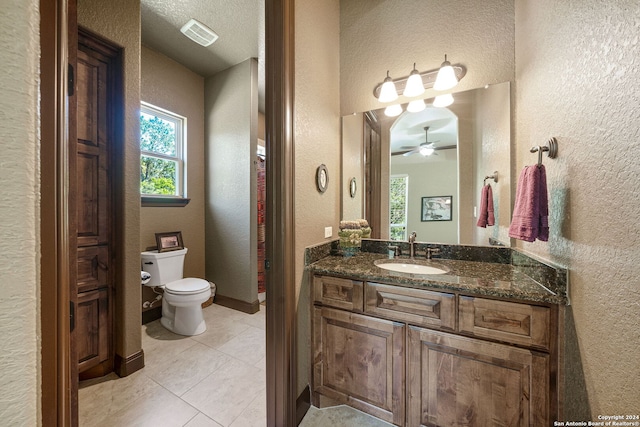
{"points": [[164, 267]]}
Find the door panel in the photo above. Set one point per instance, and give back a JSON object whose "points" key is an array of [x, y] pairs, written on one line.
{"points": [[92, 318]]}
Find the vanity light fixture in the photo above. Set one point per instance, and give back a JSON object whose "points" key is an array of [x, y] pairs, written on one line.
{"points": [[416, 106], [443, 100], [414, 85], [388, 91], [446, 78], [393, 110]]}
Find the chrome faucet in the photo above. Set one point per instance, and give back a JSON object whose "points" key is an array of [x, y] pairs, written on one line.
{"points": [[412, 244]]}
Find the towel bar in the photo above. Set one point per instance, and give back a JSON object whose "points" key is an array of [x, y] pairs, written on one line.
{"points": [[494, 177], [551, 148]]}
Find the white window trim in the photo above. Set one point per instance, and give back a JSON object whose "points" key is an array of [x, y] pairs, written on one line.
{"points": [[406, 203], [181, 148]]}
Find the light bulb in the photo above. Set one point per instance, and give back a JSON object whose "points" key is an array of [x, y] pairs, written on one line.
{"points": [[443, 100], [446, 78], [416, 106], [393, 110], [426, 151], [388, 90], [414, 86]]}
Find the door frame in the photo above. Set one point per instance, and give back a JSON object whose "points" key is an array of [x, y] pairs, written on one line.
{"points": [[59, 384]]}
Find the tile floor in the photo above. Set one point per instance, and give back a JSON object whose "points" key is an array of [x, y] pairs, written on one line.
{"points": [[213, 379]]}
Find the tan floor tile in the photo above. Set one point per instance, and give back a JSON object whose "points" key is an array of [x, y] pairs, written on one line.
{"points": [[255, 415], [226, 393], [201, 420], [188, 368], [156, 408], [159, 344], [219, 334], [249, 346], [105, 397]]}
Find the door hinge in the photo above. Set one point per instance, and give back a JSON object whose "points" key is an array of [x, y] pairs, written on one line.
{"points": [[267, 264], [72, 316], [71, 81]]}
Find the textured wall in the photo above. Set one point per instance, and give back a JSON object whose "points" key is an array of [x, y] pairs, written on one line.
{"points": [[119, 21], [577, 79], [382, 35], [19, 210], [231, 221], [169, 85], [317, 140]]}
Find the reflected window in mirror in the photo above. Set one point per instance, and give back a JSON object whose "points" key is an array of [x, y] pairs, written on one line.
{"points": [[398, 199]]}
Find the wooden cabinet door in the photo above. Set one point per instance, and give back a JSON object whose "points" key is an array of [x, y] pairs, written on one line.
{"points": [[460, 381], [359, 360]]}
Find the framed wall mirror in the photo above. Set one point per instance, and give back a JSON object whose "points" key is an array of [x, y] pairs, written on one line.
{"points": [[446, 150]]}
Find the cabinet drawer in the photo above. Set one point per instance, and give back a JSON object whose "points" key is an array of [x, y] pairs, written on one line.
{"points": [[516, 323], [414, 306], [337, 292]]}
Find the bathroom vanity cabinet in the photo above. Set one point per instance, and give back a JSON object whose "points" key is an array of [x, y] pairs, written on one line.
{"points": [[426, 357]]}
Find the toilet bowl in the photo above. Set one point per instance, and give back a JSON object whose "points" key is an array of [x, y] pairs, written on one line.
{"points": [[183, 297]]}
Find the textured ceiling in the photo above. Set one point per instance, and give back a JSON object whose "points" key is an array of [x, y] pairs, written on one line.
{"points": [[239, 25]]}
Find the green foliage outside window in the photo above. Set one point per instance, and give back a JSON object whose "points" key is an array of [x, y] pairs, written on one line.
{"points": [[398, 207], [157, 174]]}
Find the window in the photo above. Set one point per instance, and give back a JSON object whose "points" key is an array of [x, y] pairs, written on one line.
{"points": [[162, 153], [398, 188]]}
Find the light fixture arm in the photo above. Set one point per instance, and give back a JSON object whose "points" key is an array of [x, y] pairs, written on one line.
{"points": [[428, 79]]}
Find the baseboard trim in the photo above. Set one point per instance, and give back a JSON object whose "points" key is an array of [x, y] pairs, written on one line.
{"points": [[151, 315], [127, 366], [236, 304], [303, 403]]}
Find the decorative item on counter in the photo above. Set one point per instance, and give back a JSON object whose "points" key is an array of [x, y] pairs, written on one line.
{"points": [[350, 237], [366, 230]]}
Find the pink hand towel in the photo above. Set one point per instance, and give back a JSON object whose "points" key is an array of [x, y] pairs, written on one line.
{"points": [[531, 212], [486, 216]]}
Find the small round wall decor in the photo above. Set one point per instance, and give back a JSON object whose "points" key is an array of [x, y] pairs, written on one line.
{"points": [[352, 187], [322, 178]]}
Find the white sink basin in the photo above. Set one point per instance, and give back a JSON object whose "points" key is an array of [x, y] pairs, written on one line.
{"points": [[411, 268]]}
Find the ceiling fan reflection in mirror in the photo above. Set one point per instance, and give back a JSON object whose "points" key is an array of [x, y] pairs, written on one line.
{"points": [[425, 149]]}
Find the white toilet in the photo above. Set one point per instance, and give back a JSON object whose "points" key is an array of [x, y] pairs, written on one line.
{"points": [[183, 298]]}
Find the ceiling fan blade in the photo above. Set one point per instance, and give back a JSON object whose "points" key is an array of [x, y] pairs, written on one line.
{"points": [[446, 147], [398, 153], [408, 153]]}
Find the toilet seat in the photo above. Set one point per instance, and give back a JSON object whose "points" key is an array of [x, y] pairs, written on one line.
{"points": [[188, 286]]}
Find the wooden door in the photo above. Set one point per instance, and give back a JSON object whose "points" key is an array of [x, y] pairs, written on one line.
{"points": [[359, 360], [95, 74], [460, 381], [372, 178]]}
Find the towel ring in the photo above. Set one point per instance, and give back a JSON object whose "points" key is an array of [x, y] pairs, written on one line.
{"points": [[494, 177], [551, 149]]}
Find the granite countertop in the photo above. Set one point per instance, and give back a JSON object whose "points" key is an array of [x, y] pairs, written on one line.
{"points": [[480, 278]]}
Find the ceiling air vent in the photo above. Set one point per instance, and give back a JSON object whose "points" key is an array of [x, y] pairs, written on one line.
{"points": [[199, 33]]}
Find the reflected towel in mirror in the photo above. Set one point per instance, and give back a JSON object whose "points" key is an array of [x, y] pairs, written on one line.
{"points": [[486, 216]]}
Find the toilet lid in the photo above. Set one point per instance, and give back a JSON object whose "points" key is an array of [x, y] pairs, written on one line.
{"points": [[189, 285]]}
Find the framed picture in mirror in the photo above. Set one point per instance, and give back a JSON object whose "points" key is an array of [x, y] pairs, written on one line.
{"points": [[170, 241], [436, 208]]}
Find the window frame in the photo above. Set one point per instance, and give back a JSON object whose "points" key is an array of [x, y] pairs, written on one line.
{"points": [[180, 122], [406, 205]]}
